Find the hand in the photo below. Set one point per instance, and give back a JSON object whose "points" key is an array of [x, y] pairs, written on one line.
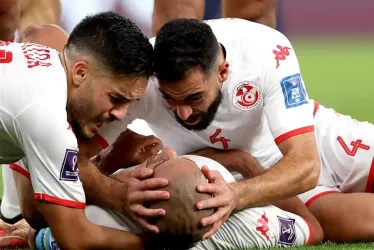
{"points": [[128, 150], [224, 200], [141, 188]]}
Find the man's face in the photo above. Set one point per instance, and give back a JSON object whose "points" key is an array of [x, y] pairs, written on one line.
{"points": [[100, 99], [194, 100]]}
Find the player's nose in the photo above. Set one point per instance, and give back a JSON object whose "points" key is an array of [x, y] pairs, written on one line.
{"points": [[119, 113], [184, 112]]}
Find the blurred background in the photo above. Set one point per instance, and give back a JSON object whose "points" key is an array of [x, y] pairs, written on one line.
{"points": [[334, 41]]}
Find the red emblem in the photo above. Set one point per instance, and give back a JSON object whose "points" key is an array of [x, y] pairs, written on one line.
{"points": [[247, 96], [281, 54], [263, 227]]}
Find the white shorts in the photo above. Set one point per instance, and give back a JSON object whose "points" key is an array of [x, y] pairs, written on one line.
{"points": [[347, 152]]}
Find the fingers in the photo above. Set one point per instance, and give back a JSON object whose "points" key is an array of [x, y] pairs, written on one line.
{"points": [[209, 188], [216, 216], [212, 230], [141, 173], [211, 175], [214, 202], [141, 211], [152, 183], [145, 224], [206, 172], [151, 195]]}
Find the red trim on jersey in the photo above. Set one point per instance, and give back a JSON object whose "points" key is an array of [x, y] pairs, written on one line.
{"points": [[20, 170], [316, 106], [58, 201], [370, 182], [294, 132], [101, 140], [311, 200], [310, 233]]}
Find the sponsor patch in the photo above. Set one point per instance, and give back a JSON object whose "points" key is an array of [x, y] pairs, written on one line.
{"points": [[247, 96], [293, 91], [69, 170], [287, 233]]}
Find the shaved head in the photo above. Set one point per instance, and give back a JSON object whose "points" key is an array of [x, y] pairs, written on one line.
{"points": [[181, 227]]}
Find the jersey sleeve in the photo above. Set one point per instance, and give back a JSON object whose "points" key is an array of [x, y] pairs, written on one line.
{"points": [[286, 102], [51, 155]]}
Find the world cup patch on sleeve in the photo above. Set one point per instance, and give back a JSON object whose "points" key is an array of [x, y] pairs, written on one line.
{"points": [[293, 91], [287, 233], [69, 170]]}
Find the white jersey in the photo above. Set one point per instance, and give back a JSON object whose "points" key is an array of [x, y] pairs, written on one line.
{"points": [[33, 122], [261, 227], [264, 98]]}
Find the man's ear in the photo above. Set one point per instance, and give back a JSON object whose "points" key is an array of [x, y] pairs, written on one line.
{"points": [[223, 71], [79, 73]]}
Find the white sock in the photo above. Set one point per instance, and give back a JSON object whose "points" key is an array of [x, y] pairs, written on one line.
{"points": [[10, 207]]}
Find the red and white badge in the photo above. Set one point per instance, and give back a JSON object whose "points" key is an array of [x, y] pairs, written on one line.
{"points": [[247, 96]]}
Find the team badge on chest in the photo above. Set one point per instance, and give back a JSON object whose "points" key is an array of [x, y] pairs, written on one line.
{"points": [[246, 96]]}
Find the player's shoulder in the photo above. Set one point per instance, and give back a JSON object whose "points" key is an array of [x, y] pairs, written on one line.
{"points": [[240, 29]]}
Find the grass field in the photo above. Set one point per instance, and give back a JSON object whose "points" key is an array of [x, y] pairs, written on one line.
{"points": [[337, 74]]}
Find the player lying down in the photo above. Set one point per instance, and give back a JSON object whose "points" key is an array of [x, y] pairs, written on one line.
{"points": [[261, 227]]}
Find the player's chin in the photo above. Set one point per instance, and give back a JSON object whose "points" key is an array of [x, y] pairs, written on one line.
{"points": [[89, 130]]}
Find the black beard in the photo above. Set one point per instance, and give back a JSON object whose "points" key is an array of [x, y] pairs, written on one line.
{"points": [[206, 117]]}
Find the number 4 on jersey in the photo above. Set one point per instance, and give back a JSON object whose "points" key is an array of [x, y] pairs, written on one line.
{"points": [[355, 146], [214, 138]]}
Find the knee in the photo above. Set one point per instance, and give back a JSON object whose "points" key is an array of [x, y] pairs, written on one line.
{"points": [[317, 235]]}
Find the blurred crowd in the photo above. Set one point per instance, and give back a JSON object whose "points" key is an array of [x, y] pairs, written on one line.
{"points": [[67, 13]]}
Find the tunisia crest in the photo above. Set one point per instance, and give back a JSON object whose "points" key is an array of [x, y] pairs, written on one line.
{"points": [[246, 96]]}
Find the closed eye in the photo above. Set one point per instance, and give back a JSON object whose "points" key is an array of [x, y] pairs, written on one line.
{"points": [[118, 100], [195, 98], [166, 97]]}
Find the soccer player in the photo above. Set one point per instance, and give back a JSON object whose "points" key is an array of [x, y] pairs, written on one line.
{"points": [[261, 227], [260, 11], [48, 99], [223, 88], [250, 96]]}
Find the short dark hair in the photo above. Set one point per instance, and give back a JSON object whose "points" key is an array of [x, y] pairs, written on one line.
{"points": [[182, 45], [116, 42]]}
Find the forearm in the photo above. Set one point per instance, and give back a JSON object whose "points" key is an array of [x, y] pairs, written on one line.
{"points": [[99, 189], [108, 238], [285, 179], [73, 231]]}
